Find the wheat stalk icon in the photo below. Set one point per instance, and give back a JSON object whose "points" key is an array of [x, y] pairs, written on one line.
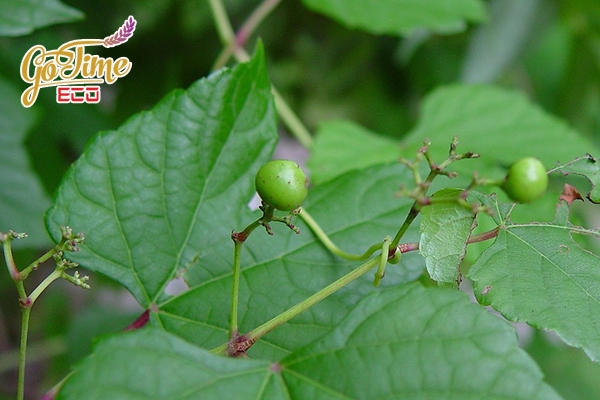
{"points": [[122, 34]]}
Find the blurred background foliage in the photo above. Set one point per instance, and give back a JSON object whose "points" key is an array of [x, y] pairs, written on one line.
{"points": [[547, 49]]}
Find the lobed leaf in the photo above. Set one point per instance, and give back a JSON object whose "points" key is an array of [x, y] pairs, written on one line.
{"points": [[536, 273], [399, 17], [449, 348], [159, 194]]}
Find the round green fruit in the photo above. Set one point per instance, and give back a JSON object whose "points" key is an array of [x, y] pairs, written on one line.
{"points": [[282, 184], [526, 180]]}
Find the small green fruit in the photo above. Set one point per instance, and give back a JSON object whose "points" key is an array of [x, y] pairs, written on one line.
{"points": [[526, 180], [282, 185]]}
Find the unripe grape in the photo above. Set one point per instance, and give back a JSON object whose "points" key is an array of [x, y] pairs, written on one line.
{"points": [[526, 180], [282, 184]]}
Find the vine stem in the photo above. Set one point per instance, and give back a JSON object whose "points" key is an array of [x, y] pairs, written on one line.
{"points": [[228, 38], [415, 209], [33, 266], [25, 308], [238, 39], [492, 233], [8, 256], [322, 236], [56, 274], [26, 304], [233, 322], [291, 120], [304, 305], [481, 237], [385, 250], [242, 343], [26, 312], [224, 28], [238, 241]]}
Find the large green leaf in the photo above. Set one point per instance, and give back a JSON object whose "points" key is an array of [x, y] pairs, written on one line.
{"points": [[20, 17], [449, 348], [23, 201], [536, 273], [357, 209], [445, 229], [164, 190], [398, 17]]}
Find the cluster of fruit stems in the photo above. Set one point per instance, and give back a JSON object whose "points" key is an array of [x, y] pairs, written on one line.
{"points": [[238, 344], [68, 242]]}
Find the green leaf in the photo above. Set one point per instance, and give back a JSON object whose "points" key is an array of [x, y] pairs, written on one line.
{"points": [[586, 166], [342, 146], [356, 210], [151, 364], [445, 229], [501, 125], [536, 273], [449, 349], [399, 17], [23, 201], [20, 17], [161, 193]]}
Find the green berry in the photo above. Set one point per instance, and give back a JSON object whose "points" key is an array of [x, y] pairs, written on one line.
{"points": [[282, 185], [526, 180]]}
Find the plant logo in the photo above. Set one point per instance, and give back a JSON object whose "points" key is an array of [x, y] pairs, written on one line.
{"points": [[69, 65]]}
